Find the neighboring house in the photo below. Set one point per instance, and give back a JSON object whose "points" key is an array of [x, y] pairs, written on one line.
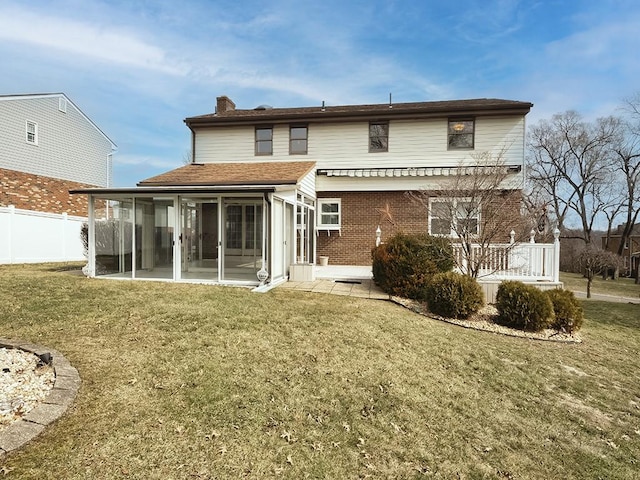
{"points": [[272, 187], [631, 250], [47, 147]]}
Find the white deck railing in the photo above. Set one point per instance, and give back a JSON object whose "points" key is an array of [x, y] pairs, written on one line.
{"points": [[512, 261]]}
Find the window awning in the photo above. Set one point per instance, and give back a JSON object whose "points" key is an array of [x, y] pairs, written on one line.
{"points": [[410, 171]]}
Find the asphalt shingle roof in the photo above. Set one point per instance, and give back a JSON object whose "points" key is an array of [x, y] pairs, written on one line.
{"points": [[218, 174], [477, 106]]}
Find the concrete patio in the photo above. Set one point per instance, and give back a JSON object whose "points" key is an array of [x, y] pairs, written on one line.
{"points": [[344, 280]]}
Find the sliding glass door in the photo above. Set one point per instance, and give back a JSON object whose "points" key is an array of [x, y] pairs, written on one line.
{"points": [[199, 240], [243, 232]]}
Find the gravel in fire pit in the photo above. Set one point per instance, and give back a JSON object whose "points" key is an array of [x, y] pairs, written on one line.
{"points": [[24, 382]]}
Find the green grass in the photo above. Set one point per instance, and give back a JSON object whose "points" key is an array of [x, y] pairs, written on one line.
{"points": [[623, 287], [200, 382]]}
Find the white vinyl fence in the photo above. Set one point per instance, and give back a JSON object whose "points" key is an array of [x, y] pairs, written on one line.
{"points": [[35, 237]]}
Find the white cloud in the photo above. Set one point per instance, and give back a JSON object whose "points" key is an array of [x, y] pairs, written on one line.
{"points": [[146, 160], [92, 40]]}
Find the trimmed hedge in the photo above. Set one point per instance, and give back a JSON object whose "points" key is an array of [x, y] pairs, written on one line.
{"points": [[525, 307], [568, 312], [404, 264], [453, 295]]}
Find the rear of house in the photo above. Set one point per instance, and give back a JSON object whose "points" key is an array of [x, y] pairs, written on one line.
{"points": [[272, 187]]}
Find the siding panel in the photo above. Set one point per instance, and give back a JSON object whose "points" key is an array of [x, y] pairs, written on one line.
{"points": [[412, 143], [69, 146]]}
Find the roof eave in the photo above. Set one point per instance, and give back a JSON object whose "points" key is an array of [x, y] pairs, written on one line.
{"points": [[327, 116]]}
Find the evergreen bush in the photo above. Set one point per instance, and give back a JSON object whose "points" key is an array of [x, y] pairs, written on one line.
{"points": [[567, 310], [453, 295], [524, 307], [404, 264]]}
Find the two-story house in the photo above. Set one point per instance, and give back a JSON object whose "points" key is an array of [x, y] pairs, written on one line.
{"points": [[270, 187], [47, 147]]}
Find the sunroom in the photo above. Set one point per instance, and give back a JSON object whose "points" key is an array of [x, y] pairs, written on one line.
{"points": [[243, 224]]}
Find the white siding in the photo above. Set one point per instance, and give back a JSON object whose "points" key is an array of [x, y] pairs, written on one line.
{"points": [[412, 143], [308, 184], [69, 146]]}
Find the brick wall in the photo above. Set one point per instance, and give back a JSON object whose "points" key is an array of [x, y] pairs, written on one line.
{"points": [[41, 194], [362, 212], [361, 215]]}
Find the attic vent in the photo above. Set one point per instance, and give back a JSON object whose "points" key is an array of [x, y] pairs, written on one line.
{"points": [[62, 104], [264, 107]]}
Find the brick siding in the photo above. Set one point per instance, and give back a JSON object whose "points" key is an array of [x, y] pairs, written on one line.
{"points": [[41, 194], [361, 215]]}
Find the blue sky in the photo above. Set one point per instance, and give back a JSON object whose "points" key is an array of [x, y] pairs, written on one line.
{"points": [[138, 68]]}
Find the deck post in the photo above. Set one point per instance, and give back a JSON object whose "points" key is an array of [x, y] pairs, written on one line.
{"points": [[556, 255]]}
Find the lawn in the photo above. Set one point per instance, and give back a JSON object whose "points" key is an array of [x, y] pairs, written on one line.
{"points": [[201, 382], [623, 287]]}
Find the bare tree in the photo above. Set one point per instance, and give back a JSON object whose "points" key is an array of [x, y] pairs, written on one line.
{"points": [[570, 163], [477, 206], [594, 261], [187, 157], [626, 161]]}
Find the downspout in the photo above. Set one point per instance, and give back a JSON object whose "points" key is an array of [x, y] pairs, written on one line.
{"points": [[266, 234]]}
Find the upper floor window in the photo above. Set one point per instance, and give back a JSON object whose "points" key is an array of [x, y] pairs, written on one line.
{"points": [[264, 141], [461, 133], [454, 217], [32, 132], [378, 137], [329, 213], [298, 136]]}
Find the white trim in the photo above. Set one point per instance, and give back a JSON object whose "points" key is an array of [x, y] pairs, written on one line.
{"points": [[34, 132], [319, 214], [455, 201]]}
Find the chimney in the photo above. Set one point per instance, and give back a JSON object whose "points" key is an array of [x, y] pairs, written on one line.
{"points": [[224, 104]]}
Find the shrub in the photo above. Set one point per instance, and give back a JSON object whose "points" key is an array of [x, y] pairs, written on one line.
{"points": [[568, 312], [403, 265], [523, 306], [453, 295]]}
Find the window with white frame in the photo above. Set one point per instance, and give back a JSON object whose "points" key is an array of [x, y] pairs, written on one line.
{"points": [[329, 213], [453, 217], [32, 132]]}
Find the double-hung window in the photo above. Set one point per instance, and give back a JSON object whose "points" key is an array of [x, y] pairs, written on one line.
{"points": [[298, 136], [379, 137], [32, 133], [264, 141], [329, 213], [454, 217], [461, 133]]}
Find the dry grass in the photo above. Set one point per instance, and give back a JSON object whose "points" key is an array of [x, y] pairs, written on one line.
{"points": [[623, 287], [197, 382]]}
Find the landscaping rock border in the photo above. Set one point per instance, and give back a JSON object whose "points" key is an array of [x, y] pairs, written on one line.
{"points": [[481, 321], [59, 399]]}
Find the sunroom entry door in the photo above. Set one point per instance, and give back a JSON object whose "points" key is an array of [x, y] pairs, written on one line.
{"points": [[199, 239], [243, 240]]}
